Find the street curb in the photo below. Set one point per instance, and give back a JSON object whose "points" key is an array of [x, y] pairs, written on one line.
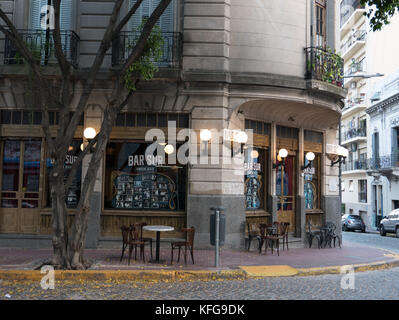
{"points": [[379, 265], [125, 275], [182, 275]]}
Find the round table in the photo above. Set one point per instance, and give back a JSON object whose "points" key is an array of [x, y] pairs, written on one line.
{"points": [[158, 230]]}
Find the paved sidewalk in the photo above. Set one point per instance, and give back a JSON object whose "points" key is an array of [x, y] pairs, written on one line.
{"points": [[298, 258]]}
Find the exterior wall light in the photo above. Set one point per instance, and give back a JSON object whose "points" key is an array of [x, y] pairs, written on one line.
{"points": [[89, 133], [282, 154], [242, 139], [205, 136], [254, 154], [169, 149], [310, 156], [342, 154]]}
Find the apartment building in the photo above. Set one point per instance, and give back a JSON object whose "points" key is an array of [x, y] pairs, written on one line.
{"points": [[228, 66]]}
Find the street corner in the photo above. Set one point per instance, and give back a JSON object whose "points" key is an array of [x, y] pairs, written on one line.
{"points": [[269, 271]]}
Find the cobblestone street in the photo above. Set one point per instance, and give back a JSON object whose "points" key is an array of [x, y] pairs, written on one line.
{"points": [[368, 285]]}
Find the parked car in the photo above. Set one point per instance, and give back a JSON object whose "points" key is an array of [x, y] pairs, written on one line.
{"points": [[390, 223], [352, 222], [343, 218]]}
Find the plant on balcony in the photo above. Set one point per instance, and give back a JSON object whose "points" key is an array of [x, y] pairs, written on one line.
{"points": [[332, 65], [146, 65]]}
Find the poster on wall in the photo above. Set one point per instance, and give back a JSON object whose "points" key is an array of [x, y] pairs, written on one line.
{"points": [[149, 190]]}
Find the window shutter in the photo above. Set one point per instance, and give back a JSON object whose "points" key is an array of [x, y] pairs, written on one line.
{"points": [[34, 13], [66, 15], [145, 10]]}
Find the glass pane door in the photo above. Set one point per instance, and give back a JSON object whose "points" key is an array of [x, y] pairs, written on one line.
{"points": [[31, 174], [10, 174]]}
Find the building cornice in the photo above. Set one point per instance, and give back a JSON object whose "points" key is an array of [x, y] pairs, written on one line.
{"points": [[383, 104]]}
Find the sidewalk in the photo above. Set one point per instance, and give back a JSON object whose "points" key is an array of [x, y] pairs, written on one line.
{"points": [[233, 264]]}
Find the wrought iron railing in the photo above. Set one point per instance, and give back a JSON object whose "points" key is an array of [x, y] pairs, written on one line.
{"points": [[123, 45], [347, 8], [355, 67], [383, 162], [359, 35], [324, 65], [354, 165], [353, 133], [41, 44]]}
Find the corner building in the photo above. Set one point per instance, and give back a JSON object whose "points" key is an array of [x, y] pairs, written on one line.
{"points": [[233, 64]]}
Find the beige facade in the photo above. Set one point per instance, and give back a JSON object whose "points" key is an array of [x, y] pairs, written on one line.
{"points": [[243, 66]]}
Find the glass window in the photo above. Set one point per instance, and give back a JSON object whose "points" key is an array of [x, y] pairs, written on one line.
{"points": [[312, 184], [31, 174], [73, 195], [132, 183], [5, 117], [255, 183]]}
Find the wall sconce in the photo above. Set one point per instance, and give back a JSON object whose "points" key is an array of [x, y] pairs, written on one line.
{"points": [[89, 134], [205, 136], [342, 154], [169, 149], [254, 154], [310, 157], [282, 154], [242, 139]]}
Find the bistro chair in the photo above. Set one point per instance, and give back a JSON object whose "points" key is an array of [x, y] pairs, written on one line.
{"points": [[125, 239], [253, 233], [330, 235], [187, 244], [282, 232], [265, 231], [313, 234], [146, 240], [134, 241]]}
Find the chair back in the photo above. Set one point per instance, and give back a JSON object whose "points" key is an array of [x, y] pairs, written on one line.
{"points": [[140, 225], [125, 234], [252, 228], [286, 227], [134, 232], [190, 233]]}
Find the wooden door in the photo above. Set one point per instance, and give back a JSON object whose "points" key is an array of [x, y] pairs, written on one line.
{"points": [[285, 191], [20, 180]]}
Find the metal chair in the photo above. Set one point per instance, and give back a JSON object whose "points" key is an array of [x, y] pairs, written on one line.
{"points": [[253, 233], [313, 234], [146, 240], [125, 239]]}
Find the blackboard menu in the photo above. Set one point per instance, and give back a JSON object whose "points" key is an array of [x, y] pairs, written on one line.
{"points": [[252, 187], [143, 191]]}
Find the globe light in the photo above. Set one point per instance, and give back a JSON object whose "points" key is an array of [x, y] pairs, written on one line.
{"points": [[242, 137], [342, 152], [169, 149], [310, 156], [205, 135], [283, 153], [90, 133], [254, 154], [82, 146]]}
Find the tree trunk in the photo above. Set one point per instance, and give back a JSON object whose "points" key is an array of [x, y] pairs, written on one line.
{"points": [[59, 218]]}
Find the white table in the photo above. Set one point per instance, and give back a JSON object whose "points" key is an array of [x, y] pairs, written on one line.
{"points": [[158, 230]]}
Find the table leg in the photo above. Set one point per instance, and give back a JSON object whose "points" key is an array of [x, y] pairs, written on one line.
{"points": [[158, 245]]}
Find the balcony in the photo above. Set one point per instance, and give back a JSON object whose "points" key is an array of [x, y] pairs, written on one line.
{"points": [[356, 68], [355, 165], [353, 135], [123, 45], [324, 66], [41, 44], [353, 44], [350, 11], [354, 105], [384, 162]]}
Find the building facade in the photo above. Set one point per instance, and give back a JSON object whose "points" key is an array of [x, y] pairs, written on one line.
{"points": [[228, 66], [383, 167], [367, 54]]}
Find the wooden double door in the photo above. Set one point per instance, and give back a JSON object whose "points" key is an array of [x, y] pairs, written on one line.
{"points": [[20, 175], [285, 192]]}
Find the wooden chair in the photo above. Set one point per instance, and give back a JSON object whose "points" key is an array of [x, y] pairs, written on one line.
{"points": [[134, 241], [264, 233], [253, 233], [125, 239], [281, 235], [285, 238], [146, 240], [188, 244]]}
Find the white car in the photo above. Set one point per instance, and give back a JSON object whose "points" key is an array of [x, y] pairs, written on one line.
{"points": [[390, 223]]}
